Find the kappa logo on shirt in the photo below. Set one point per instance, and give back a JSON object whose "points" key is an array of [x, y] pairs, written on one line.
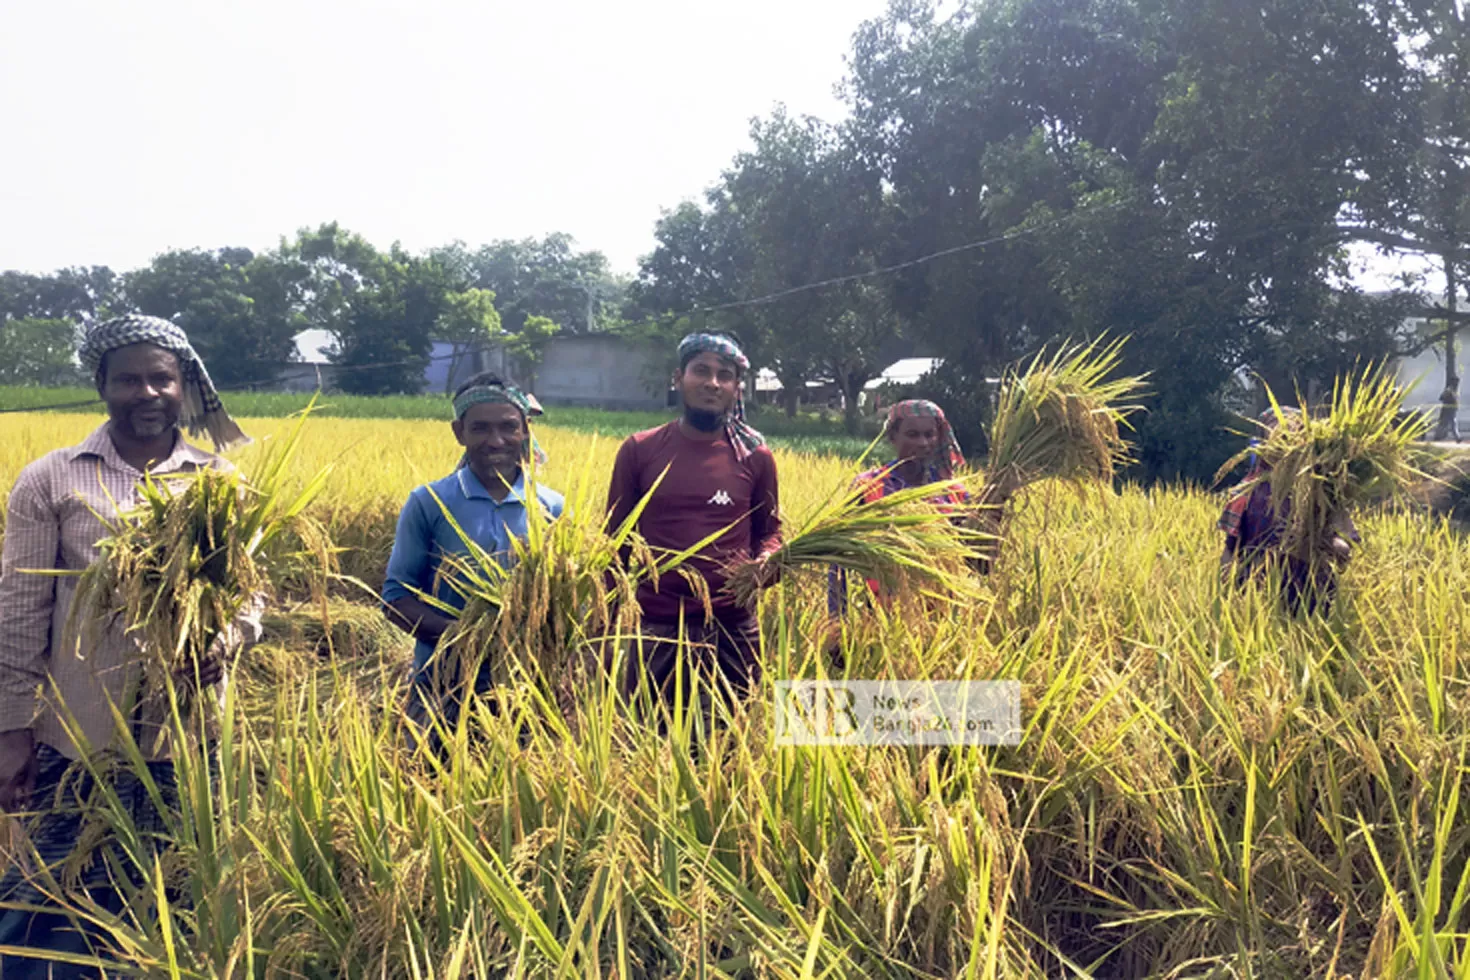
{"points": [[721, 497]]}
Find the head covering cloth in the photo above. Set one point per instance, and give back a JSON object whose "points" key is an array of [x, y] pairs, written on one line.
{"points": [[947, 458], [202, 410], [501, 394], [1232, 517], [743, 439]]}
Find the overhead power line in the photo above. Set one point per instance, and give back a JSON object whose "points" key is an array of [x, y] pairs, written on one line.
{"points": [[672, 317]]}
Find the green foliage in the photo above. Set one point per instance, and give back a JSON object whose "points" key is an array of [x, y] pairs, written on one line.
{"points": [[469, 322], [38, 352], [800, 207], [241, 311], [1184, 173], [530, 344], [539, 278], [68, 294], [382, 307]]}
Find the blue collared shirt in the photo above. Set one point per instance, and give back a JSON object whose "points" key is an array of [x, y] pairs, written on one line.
{"points": [[425, 536]]}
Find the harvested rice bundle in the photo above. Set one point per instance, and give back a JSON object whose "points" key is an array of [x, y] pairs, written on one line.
{"points": [[1319, 468], [567, 584], [1060, 418], [902, 541], [179, 568], [334, 626]]}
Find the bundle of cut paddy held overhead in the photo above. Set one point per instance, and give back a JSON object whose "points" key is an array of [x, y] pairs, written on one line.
{"points": [[1320, 468], [903, 541], [179, 568], [566, 585], [1061, 418]]}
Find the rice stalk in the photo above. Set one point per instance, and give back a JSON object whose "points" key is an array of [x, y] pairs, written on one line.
{"points": [[1320, 468], [178, 569], [1061, 418], [567, 585], [902, 541]]}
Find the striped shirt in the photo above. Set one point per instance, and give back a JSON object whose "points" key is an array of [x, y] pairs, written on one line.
{"points": [[53, 523]]}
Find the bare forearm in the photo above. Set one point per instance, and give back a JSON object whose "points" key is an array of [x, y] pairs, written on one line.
{"points": [[418, 619]]}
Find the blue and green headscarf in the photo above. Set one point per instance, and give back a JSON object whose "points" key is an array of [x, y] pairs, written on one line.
{"points": [[743, 439], [501, 394]]}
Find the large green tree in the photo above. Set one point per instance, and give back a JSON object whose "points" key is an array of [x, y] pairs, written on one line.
{"points": [[799, 208], [547, 277], [36, 351], [469, 323], [1177, 170], [381, 308], [77, 294], [241, 311]]}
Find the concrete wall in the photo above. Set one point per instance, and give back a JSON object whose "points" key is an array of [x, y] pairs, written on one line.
{"points": [[305, 377], [436, 376], [601, 371], [1425, 394]]}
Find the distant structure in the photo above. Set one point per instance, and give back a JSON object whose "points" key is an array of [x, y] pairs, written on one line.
{"points": [[597, 370]]}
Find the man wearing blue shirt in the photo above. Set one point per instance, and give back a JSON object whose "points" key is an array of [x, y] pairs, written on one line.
{"points": [[485, 496]]}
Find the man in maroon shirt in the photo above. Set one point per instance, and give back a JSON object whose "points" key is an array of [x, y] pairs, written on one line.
{"points": [[720, 475]]}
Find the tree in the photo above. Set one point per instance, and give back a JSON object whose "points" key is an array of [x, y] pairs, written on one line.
{"points": [[1178, 171], [468, 323], [1422, 208], [77, 294], [538, 277], [529, 346], [381, 308], [798, 209], [384, 344], [241, 311], [36, 351]]}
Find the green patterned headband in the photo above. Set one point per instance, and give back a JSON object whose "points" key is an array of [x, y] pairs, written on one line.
{"points": [[501, 395], [496, 394]]}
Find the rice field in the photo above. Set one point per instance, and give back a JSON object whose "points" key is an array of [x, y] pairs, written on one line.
{"points": [[1205, 787], [808, 432]]}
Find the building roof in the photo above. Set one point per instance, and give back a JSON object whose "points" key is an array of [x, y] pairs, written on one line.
{"points": [[312, 346], [766, 380], [905, 372]]}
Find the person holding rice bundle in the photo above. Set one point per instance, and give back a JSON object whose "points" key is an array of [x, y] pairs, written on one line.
{"points": [[1254, 528], [486, 497], [152, 383], [721, 475], [925, 451]]}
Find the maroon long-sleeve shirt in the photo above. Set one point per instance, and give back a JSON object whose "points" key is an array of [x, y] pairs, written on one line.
{"points": [[706, 489]]}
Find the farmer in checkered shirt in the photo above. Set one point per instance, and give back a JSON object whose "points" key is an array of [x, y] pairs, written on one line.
{"points": [[153, 383]]}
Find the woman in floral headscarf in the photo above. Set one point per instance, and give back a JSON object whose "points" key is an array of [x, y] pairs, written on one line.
{"points": [[925, 451], [1253, 530]]}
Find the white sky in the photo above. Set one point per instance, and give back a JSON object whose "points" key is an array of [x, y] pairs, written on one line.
{"points": [[127, 129], [130, 128]]}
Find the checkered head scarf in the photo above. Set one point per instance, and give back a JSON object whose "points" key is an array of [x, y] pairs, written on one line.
{"points": [[501, 394], [202, 410], [948, 458], [744, 439]]}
